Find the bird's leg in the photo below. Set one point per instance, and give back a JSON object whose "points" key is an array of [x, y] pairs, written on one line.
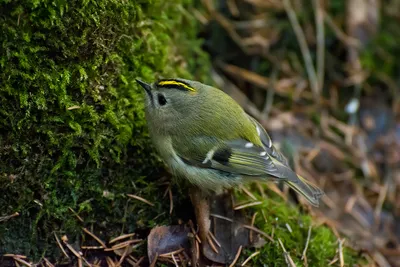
{"points": [[202, 211]]}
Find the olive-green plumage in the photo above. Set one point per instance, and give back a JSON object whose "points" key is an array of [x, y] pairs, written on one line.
{"points": [[207, 138]]}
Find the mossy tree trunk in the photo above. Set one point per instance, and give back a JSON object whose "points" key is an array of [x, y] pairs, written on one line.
{"points": [[73, 133]]}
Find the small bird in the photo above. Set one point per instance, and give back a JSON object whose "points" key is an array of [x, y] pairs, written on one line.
{"points": [[205, 136]]}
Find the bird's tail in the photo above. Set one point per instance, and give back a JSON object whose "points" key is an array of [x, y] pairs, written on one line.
{"points": [[307, 189], [299, 184]]}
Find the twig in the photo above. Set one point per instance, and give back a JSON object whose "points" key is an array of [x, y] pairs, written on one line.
{"points": [[288, 259], [121, 237], [319, 22], [260, 189], [250, 257], [194, 231], [248, 192], [226, 24], [123, 255], [132, 258], [153, 263], [184, 258], [22, 261], [289, 228], [274, 188], [270, 95], [236, 257], [304, 49], [303, 256], [350, 204], [137, 264], [61, 247], [14, 255], [171, 200], [173, 258], [79, 255], [259, 231], [73, 107], [110, 262], [245, 226], [335, 259], [140, 199], [253, 219], [246, 205], [233, 8], [202, 18], [171, 253], [95, 237], [347, 40], [341, 242], [210, 242], [194, 248], [76, 214], [380, 259], [221, 217], [214, 239], [313, 153], [48, 263], [76, 253], [5, 218], [381, 199], [123, 244], [92, 247], [282, 87], [139, 261]]}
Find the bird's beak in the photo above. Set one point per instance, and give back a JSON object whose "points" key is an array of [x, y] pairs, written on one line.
{"points": [[145, 86]]}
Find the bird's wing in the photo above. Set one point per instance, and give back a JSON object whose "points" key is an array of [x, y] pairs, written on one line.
{"points": [[267, 142], [243, 158], [237, 156]]}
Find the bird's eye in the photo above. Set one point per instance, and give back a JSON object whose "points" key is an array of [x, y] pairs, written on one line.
{"points": [[161, 99]]}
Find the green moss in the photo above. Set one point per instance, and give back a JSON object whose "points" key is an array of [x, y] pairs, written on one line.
{"points": [[275, 217], [73, 132]]}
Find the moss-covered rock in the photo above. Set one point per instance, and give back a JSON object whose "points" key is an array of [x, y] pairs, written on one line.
{"points": [[73, 133]]}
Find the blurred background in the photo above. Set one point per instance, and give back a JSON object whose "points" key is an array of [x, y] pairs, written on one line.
{"points": [[324, 75]]}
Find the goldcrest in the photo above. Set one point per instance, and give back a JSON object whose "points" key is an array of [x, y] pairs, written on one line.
{"points": [[204, 136]]}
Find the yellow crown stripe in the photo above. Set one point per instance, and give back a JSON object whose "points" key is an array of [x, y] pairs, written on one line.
{"points": [[164, 83]]}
